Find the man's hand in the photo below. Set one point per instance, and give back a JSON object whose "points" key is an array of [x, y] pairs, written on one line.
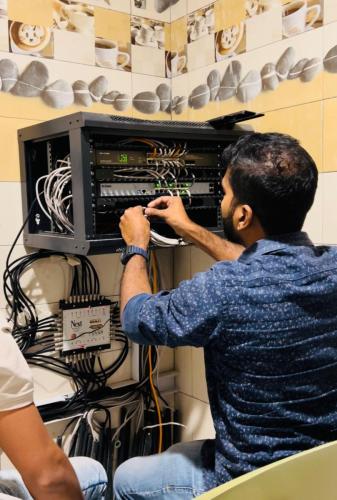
{"points": [[172, 211], [135, 228]]}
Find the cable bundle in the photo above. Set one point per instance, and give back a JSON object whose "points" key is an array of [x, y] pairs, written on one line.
{"points": [[164, 242], [23, 315], [58, 202], [164, 163], [90, 378]]}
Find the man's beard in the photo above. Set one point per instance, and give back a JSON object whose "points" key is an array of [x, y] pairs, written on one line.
{"points": [[228, 227]]}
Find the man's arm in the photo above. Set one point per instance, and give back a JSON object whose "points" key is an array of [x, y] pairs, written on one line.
{"points": [[44, 468], [188, 315], [172, 211], [135, 280], [216, 247], [135, 229]]}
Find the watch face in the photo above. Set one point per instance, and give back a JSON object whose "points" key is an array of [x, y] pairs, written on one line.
{"points": [[125, 256]]}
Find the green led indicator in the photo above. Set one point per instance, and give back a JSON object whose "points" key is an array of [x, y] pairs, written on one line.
{"points": [[123, 158]]}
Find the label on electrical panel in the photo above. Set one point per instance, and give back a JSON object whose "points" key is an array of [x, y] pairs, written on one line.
{"points": [[86, 328]]}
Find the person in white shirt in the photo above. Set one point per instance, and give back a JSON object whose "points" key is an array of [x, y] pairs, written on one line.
{"points": [[42, 469]]}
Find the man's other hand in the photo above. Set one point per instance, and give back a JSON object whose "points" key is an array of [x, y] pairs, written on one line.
{"points": [[135, 228], [172, 211]]}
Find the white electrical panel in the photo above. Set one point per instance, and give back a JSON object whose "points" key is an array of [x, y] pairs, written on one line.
{"points": [[86, 325]]}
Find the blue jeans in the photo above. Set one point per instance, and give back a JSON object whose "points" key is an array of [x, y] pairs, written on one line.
{"points": [[91, 475], [175, 474]]}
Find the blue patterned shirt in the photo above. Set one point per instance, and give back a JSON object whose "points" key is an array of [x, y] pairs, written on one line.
{"points": [[268, 326]]}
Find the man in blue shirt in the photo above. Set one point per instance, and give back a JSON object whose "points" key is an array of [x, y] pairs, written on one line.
{"points": [[265, 314]]}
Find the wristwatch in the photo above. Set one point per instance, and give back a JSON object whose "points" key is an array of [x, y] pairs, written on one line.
{"points": [[133, 250]]}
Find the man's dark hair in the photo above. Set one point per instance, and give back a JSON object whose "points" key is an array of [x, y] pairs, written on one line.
{"points": [[275, 176]]}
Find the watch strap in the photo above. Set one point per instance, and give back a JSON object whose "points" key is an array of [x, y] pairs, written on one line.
{"points": [[133, 250]]}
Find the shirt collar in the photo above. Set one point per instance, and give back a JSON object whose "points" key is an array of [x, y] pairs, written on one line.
{"points": [[273, 243]]}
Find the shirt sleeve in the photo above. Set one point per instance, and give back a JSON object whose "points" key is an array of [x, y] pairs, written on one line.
{"points": [[16, 384], [187, 315]]}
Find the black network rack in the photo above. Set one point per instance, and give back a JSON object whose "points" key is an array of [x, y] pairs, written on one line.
{"points": [[97, 147]]}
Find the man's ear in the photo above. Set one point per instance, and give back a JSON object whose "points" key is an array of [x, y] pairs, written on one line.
{"points": [[244, 217]]}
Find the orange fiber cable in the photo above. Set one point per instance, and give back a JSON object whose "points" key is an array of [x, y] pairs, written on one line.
{"points": [[153, 389]]}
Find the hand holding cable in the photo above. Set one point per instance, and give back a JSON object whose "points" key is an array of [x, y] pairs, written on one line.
{"points": [[135, 228], [172, 211]]}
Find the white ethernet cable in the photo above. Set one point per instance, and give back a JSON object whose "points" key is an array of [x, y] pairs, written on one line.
{"points": [[54, 197], [164, 242]]}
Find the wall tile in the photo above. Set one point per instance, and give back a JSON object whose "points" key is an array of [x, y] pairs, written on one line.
{"points": [[313, 224], [148, 33], [35, 12], [109, 270], [167, 35], [193, 5], [181, 264], [4, 43], [165, 264], [197, 417], [330, 11], [152, 9], [28, 40], [184, 366], [176, 62], [117, 5], [200, 53], [201, 108], [179, 33], [303, 122], [329, 208], [9, 154], [166, 359], [304, 21], [228, 13], [184, 405], [145, 100], [179, 9], [148, 61], [230, 42], [200, 261], [180, 91], [74, 47], [10, 204], [3, 8], [76, 18], [206, 428], [264, 29], [330, 73], [329, 135], [199, 387], [110, 24], [230, 104]]}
